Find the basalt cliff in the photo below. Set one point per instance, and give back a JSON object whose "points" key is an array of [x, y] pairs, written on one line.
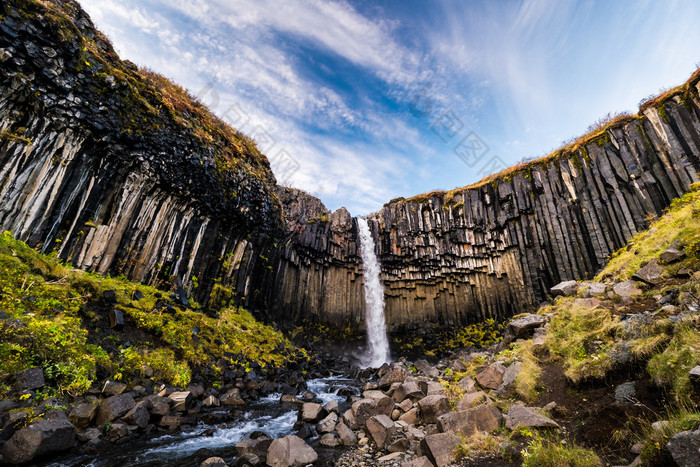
{"points": [[117, 170]]}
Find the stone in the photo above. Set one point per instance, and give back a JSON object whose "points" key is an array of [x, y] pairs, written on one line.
{"points": [[651, 273], [485, 417], [232, 397], [310, 412], [431, 388], [406, 405], [519, 415], [138, 416], [31, 379], [181, 400], [593, 289], [467, 384], [694, 375], [380, 428], [289, 400], [431, 407], [410, 417], [114, 407], [389, 457], [110, 296], [117, 431], [328, 424], [506, 389], [400, 445], [685, 448], [397, 375], [258, 446], [211, 401], [440, 448], [82, 415], [624, 393], [670, 255], [170, 421], [290, 451], [366, 408], [331, 406], [346, 435], [113, 388], [565, 289], [39, 439], [407, 390], [587, 302], [88, 435], [213, 462], [329, 440], [349, 419], [116, 319], [422, 461], [492, 376], [626, 289], [525, 326], [471, 399]]}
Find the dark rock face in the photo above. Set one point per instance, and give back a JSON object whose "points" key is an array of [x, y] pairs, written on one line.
{"points": [[38, 439]]}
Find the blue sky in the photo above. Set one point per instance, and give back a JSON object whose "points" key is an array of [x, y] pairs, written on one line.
{"points": [[359, 102]]}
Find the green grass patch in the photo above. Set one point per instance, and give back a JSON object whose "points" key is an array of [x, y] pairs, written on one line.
{"points": [[670, 368], [550, 453]]}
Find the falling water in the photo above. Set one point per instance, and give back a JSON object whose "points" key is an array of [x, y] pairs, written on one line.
{"points": [[377, 342]]}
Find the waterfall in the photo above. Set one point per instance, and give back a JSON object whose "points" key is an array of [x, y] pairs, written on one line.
{"points": [[377, 342]]}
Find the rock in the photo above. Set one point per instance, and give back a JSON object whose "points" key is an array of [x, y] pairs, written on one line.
{"points": [[380, 428], [408, 390], [213, 462], [83, 415], [181, 400], [110, 296], [525, 326], [310, 412], [397, 375], [519, 415], [113, 388], [594, 289], [651, 273], [694, 375], [431, 407], [431, 388], [327, 424], [331, 406], [170, 421], [363, 409], [290, 400], [389, 457], [330, 440], [471, 399], [440, 448], [626, 289], [684, 272], [422, 461], [509, 376], [685, 448], [587, 302], [116, 319], [232, 397], [138, 416], [117, 431], [406, 405], [114, 407], [400, 445], [349, 419], [410, 417], [467, 384], [258, 446], [485, 417], [290, 451], [31, 379], [670, 255], [565, 289], [346, 435], [38, 439], [88, 435], [492, 376], [211, 401], [624, 393]]}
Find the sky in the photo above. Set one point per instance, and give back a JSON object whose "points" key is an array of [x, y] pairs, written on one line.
{"points": [[361, 101]]}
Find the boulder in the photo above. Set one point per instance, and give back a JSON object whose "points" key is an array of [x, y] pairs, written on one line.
{"points": [[670, 255], [211, 401], [30, 379], [232, 397], [366, 408], [181, 400], [587, 302], [651, 273], [519, 415], [38, 439], [331, 406], [83, 415], [116, 319], [525, 326], [349, 419], [471, 399], [289, 400], [694, 375], [626, 289], [593, 289], [492, 376], [430, 388], [290, 451], [113, 388], [329, 440], [506, 389], [407, 390], [247, 460], [467, 384], [213, 462], [400, 445], [138, 416], [431, 407], [422, 461], [310, 412], [380, 428], [114, 407], [685, 448], [440, 448], [565, 289], [406, 405], [346, 435], [485, 417], [258, 446], [410, 417], [328, 424], [397, 375], [170, 421]]}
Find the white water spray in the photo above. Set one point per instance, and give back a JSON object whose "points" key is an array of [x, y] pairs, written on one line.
{"points": [[377, 341]]}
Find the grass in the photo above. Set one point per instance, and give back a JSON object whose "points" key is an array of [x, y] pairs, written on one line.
{"points": [[670, 368], [527, 384], [550, 453], [56, 320]]}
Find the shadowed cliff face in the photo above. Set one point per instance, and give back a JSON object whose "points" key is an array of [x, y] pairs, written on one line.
{"points": [[118, 170], [495, 249]]}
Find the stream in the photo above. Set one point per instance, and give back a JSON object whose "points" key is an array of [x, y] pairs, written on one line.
{"points": [[178, 449]]}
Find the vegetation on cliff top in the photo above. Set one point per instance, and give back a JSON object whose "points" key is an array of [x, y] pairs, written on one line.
{"points": [[56, 318]]}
